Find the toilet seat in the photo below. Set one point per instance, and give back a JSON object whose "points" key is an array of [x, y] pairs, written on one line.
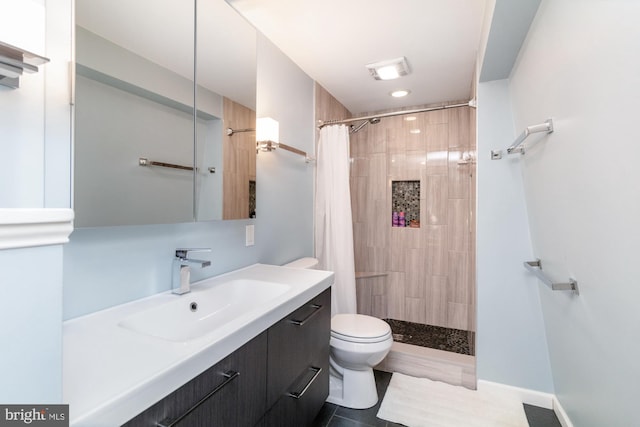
{"points": [[359, 328]]}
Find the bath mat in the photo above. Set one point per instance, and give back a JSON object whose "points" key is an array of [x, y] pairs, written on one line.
{"points": [[421, 402]]}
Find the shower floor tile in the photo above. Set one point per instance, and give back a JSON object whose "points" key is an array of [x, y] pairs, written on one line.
{"points": [[447, 339]]}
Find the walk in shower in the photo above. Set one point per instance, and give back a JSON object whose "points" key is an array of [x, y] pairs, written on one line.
{"points": [[413, 198]]}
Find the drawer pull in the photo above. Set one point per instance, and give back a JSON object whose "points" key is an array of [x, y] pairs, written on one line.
{"points": [[299, 394], [169, 422], [317, 308]]}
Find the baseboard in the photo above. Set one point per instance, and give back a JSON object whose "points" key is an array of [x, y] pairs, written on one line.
{"points": [[531, 397], [561, 414]]}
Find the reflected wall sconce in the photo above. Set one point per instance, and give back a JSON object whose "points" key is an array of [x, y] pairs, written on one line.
{"points": [[267, 134], [268, 138], [14, 61]]}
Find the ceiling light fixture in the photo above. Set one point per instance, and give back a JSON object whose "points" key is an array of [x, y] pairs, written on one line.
{"points": [[389, 69], [400, 93]]}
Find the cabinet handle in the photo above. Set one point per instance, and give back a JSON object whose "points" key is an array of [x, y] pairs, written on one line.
{"points": [[316, 307], [169, 422], [299, 394]]}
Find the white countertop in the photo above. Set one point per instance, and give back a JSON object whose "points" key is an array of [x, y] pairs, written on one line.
{"points": [[111, 374]]}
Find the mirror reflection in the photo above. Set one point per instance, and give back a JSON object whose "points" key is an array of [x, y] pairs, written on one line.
{"points": [[137, 136]]}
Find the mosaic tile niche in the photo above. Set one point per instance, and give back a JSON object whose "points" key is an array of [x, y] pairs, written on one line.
{"points": [[405, 198]]}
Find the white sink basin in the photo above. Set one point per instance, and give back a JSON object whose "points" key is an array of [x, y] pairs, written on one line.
{"points": [[202, 311]]}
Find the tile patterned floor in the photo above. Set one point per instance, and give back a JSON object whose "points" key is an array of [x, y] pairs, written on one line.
{"points": [[447, 339], [336, 416]]}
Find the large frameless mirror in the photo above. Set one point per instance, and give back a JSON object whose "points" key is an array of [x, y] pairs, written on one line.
{"points": [[142, 154]]}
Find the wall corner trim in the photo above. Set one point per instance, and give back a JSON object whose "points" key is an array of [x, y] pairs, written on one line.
{"points": [[22, 228]]}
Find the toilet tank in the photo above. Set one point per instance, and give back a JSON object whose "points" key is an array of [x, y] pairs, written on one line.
{"points": [[307, 262]]}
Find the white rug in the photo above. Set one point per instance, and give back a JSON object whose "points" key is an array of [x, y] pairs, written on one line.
{"points": [[420, 402]]}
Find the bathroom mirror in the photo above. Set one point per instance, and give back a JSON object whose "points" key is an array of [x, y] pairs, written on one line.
{"points": [[141, 153]]}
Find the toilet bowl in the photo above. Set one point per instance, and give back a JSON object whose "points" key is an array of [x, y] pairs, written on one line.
{"points": [[357, 344]]}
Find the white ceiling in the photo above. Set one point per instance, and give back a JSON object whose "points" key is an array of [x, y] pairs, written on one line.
{"points": [[333, 40]]}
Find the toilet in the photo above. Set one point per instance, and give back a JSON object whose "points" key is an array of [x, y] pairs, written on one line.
{"points": [[358, 343]]}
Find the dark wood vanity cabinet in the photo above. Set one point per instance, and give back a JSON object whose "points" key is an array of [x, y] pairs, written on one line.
{"points": [[230, 393], [298, 364], [279, 378]]}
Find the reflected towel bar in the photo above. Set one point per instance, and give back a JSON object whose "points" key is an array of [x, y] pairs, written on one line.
{"points": [[517, 146], [143, 161], [536, 268], [230, 131]]}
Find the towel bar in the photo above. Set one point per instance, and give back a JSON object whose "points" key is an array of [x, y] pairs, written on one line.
{"points": [[517, 146], [536, 268]]}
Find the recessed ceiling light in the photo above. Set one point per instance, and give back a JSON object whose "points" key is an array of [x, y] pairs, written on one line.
{"points": [[400, 93], [389, 69]]}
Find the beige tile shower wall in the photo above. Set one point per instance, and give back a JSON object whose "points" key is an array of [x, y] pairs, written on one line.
{"points": [[239, 153], [430, 270], [327, 107]]}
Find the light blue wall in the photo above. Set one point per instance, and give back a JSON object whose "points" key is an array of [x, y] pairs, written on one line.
{"points": [[112, 265], [285, 181], [31, 332], [511, 342], [580, 65], [109, 266]]}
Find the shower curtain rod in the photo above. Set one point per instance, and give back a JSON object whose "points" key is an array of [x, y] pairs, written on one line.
{"points": [[321, 123]]}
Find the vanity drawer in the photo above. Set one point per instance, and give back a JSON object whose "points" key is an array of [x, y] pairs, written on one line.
{"points": [[297, 343], [304, 398], [230, 393]]}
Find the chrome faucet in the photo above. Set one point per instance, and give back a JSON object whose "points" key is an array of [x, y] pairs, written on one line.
{"points": [[181, 274]]}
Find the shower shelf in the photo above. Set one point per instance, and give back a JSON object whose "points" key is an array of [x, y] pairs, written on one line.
{"points": [[14, 61]]}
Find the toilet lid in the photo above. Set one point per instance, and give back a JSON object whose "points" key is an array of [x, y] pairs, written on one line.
{"points": [[358, 327]]}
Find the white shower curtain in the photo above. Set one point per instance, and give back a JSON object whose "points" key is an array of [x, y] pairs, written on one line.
{"points": [[334, 228]]}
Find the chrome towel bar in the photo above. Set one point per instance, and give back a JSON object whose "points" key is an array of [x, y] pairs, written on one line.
{"points": [[143, 161], [536, 268], [517, 146], [231, 131]]}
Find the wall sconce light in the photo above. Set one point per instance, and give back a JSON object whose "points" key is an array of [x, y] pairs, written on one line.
{"points": [[268, 138], [267, 134]]}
